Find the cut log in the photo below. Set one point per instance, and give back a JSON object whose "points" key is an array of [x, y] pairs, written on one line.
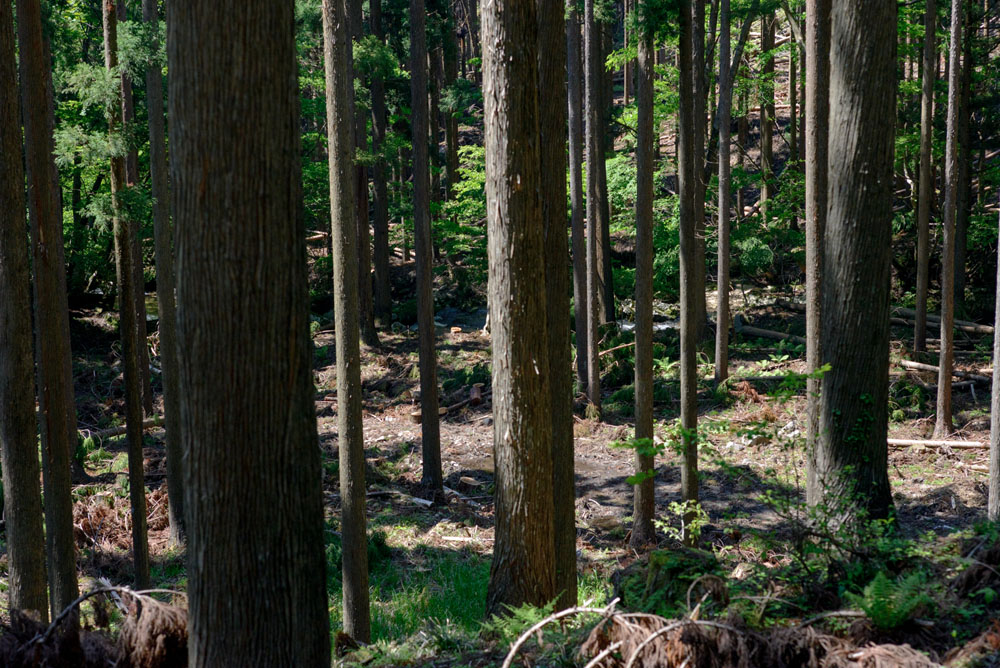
{"points": [[746, 330], [920, 366], [957, 445]]}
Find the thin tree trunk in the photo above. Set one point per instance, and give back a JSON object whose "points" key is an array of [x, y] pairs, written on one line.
{"points": [[943, 422], [429, 425], [644, 492], [128, 322], [964, 187], [18, 448], [552, 141], [725, 201], [817, 122], [851, 454], [581, 300], [165, 285], [56, 415], [523, 570], [383, 286], [254, 497], [450, 51], [688, 258], [993, 511], [697, 286], [593, 107], [767, 113], [925, 193]]}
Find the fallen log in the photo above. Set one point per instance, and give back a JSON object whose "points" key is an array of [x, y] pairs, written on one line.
{"points": [[957, 445], [935, 321], [154, 421], [747, 330], [611, 350], [920, 366]]}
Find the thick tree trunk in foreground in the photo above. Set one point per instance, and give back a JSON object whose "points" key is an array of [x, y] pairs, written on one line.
{"points": [[380, 224], [429, 426], [643, 493], [351, 442], [165, 286], [56, 404], [943, 422], [252, 453], [851, 452], [18, 447], [128, 323], [725, 200], [593, 128], [688, 258], [925, 193], [523, 569], [552, 185], [574, 78]]}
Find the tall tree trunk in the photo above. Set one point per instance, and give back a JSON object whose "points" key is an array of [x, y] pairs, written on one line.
{"points": [[165, 284], [644, 492], [383, 286], [993, 504], [725, 200], [925, 193], [767, 113], [963, 199], [594, 156], [943, 422], [138, 276], [551, 29], [700, 314], [429, 425], [339, 114], [851, 453], [254, 498], [56, 411], [523, 570], [451, 117], [817, 122], [128, 322], [581, 300], [688, 259], [18, 448]]}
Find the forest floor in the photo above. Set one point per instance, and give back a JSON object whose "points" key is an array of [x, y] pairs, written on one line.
{"points": [[431, 557]]}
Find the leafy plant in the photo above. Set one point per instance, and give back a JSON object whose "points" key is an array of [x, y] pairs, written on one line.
{"points": [[887, 603]]}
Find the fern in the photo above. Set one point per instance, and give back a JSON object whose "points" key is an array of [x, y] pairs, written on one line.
{"points": [[889, 603]]}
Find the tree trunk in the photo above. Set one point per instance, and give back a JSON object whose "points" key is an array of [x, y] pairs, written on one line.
{"points": [[725, 200], [450, 48], [383, 285], [767, 113], [551, 29], [697, 286], [594, 156], [943, 422], [688, 258], [138, 276], [523, 569], [165, 285], [429, 425], [851, 453], [644, 492], [128, 322], [993, 503], [581, 300], [963, 199], [925, 193], [254, 499], [22, 497], [56, 411]]}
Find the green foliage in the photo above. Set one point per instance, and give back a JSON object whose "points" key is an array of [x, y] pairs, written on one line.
{"points": [[887, 603]]}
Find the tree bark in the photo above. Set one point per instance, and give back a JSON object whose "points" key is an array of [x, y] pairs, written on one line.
{"points": [[644, 492], [817, 122], [943, 422], [925, 193], [551, 29], [697, 286], [725, 200], [594, 157], [767, 113], [253, 476], [128, 323], [963, 198], [450, 54], [165, 284], [56, 405], [429, 426], [688, 258], [383, 286], [993, 503], [581, 299], [18, 447], [523, 569], [851, 453]]}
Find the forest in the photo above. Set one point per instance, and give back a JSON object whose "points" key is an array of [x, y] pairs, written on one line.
{"points": [[594, 333]]}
